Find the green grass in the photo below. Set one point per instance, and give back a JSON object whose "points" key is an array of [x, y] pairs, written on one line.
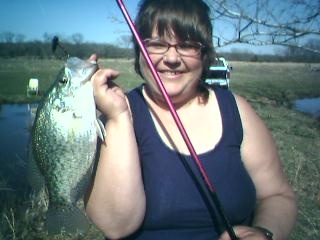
{"points": [[269, 87], [279, 82], [15, 75]]}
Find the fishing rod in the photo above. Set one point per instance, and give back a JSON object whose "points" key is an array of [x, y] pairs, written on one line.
{"points": [[209, 186]]}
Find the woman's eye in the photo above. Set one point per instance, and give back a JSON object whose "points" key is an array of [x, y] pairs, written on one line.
{"points": [[186, 45], [157, 45]]}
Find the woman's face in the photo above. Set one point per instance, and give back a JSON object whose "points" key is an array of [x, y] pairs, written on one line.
{"points": [[179, 74]]}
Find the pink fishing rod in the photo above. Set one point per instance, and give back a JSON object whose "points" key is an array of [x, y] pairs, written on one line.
{"points": [[177, 120]]}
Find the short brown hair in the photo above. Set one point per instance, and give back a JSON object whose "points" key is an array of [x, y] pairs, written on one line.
{"points": [[188, 19]]}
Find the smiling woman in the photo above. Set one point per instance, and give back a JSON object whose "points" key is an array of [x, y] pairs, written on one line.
{"points": [[144, 160]]}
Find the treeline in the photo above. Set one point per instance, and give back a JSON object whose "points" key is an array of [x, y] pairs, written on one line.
{"points": [[15, 45], [42, 50], [38, 49], [287, 56]]}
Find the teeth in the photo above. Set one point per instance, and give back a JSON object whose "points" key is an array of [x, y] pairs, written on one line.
{"points": [[170, 72]]}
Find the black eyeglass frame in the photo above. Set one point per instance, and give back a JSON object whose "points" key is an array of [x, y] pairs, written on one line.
{"points": [[196, 46]]}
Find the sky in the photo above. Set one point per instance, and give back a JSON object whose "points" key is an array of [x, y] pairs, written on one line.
{"points": [[98, 21], [94, 19]]}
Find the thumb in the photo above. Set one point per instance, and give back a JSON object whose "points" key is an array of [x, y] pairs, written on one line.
{"points": [[225, 236], [93, 57]]}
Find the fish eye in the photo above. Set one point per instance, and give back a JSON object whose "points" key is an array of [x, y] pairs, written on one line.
{"points": [[63, 80]]}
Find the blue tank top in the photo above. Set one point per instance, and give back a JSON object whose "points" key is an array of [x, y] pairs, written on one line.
{"points": [[175, 207]]}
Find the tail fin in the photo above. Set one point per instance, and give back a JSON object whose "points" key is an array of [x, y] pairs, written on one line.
{"points": [[70, 220]]}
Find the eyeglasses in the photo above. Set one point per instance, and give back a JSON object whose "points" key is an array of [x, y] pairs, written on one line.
{"points": [[186, 48]]}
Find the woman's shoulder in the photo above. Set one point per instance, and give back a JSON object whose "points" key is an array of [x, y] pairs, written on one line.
{"points": [[252, 123], [254, 128], [246, 111]]}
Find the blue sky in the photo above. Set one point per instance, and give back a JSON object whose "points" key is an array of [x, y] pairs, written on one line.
{"points": [[91, 18]]}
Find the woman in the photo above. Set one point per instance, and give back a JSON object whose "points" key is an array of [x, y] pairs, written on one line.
{"points": [[141, 189]]}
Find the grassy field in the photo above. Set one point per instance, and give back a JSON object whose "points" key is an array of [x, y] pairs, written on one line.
{"points": [[269, 87], [15, 75]]}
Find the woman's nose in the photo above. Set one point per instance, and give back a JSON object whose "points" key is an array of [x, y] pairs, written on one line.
{"points": [[172, 56]]}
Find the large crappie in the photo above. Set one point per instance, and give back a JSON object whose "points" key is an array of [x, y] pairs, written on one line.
{"points": [[64, 139]]}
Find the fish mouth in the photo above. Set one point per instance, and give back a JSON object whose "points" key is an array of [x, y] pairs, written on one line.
{"points": [[93, 70]]}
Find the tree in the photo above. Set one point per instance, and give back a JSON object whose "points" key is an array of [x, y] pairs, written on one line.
{"points": [[300, 54], [125, 40], [7, 37], [289, 23], [47, 37], [77, 38], [19, 38]]}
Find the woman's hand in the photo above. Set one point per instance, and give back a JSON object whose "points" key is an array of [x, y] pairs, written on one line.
{"points": [[109, 97], [245, 233]]}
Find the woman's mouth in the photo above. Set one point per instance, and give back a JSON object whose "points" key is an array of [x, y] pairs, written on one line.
{"points": [[170, 74]]}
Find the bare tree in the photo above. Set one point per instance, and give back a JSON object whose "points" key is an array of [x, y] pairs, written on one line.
{"points": [[19, 38], [7, 37], [266, 22], [77, 38], [47, 37], [125, 40]]}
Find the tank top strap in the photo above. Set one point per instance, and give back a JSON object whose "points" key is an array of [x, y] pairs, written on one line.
{"points": [[230, 115]]}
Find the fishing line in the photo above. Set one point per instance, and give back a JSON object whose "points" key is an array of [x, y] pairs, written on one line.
{"points": [[209, 186]]}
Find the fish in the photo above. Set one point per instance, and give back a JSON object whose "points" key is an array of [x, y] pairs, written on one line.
{"points": [[64, 143]]}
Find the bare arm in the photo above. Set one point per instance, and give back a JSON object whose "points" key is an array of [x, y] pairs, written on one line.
{"points": [[276, 205], [116, 200]]}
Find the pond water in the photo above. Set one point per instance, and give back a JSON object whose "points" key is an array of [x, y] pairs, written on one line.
{"points": [[15, 122], [309, 105]]}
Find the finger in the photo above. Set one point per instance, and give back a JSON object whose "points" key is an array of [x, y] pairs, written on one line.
{"points": [[225, 236], [93, 57], [243, 232], [237, 230], [102, 77]]}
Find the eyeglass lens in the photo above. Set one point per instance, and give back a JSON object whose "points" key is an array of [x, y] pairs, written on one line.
{"points": [[157, 46]]}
